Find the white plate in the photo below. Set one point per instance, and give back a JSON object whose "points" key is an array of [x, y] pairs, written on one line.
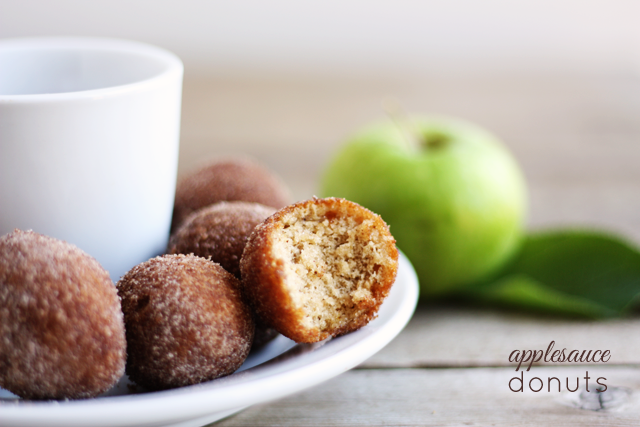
{"points": [[280, 369]]}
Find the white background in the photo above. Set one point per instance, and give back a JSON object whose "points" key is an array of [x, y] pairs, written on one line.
{"points": [[376, 37]]}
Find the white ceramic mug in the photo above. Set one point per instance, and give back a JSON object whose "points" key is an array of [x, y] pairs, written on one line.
{"points": [[89, 132]]}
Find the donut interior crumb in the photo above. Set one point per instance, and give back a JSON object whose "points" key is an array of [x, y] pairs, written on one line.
{"points": [[332, 263]]}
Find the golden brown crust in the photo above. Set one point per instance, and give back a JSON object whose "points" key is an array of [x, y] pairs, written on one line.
{"points": [[61, 326], [186, 322], [219, 232], [262, 277], [267, 277], [232, 179]]}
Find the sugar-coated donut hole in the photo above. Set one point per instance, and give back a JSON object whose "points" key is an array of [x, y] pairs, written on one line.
{"points": [[61, 327], [185, 320], [228, 179], [219, 232]]}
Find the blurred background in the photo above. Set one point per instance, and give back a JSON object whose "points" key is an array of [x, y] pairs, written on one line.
{"points": [[287, 81]]}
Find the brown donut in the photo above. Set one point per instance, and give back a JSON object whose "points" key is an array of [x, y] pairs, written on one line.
{"points": [[319, 268], [233, 179], [61, 327], [220, 232], [185, 320]]}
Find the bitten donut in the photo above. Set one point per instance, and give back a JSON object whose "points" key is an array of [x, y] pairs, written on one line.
{"points": [[319, 268], [220, 232], [61, 328], [185, 320], [232, 179]]}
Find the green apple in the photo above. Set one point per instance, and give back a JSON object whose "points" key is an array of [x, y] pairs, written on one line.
{"points": [[453, 196]]}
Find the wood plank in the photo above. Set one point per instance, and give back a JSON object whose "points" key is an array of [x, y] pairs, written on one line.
{"points": [[459, 337], [455, 397]]}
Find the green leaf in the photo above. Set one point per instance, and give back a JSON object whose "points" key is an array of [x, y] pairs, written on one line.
{"points": [[583, 273]]}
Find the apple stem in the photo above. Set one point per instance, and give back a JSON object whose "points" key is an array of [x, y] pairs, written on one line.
{"points": [[400, 118]]}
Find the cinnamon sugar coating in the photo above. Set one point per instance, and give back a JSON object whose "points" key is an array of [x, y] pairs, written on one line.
{"points": [[185, 320], [319, 268], [232, 179], [219, 231], [61, 327]]}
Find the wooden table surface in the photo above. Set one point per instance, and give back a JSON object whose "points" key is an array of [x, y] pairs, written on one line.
{"points": [[577, 137]]}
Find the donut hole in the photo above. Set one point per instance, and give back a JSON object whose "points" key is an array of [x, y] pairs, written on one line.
{"points": [[333, 260]]}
